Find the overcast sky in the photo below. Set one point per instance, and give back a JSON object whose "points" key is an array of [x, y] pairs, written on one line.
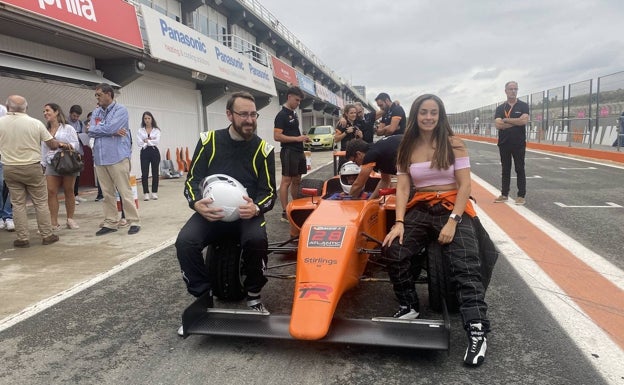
{"points": [[461, 50]]}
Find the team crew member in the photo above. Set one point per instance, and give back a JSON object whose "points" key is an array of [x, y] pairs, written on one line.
{"points": [[379, 156], [293, 160], [239, 153], [510, 119], [393, 119]]}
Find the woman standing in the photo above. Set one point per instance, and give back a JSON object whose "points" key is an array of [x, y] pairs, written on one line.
{"points": [[148, 139], [344, 133], [66, 135], [436, 163]]}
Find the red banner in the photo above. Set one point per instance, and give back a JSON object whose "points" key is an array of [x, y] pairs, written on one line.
{"points": [[284, 72], [114, 19]]}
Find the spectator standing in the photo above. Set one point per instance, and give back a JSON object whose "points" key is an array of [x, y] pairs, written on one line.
{"points": [[6, 211], [64, 133], [74, 120], [366, 122], [393, 118], [112, 149], [619, 132], [239, 153], [87, 123], [293, 160], [20, 146], [148, 138], [349, 131], [510, 119]]}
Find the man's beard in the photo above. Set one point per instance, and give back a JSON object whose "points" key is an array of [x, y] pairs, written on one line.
{"points": [[245, 134]]}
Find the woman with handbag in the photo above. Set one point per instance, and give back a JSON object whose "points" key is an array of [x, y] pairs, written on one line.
{"points": [[66, 135]]}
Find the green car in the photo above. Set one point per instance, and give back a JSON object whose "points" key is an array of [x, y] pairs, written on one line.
{"points": [[322, 137]]}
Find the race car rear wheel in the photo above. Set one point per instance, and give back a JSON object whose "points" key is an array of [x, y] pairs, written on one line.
{"points": [[439, 280], [224, 260]]}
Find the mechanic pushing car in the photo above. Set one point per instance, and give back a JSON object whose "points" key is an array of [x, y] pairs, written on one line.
{"points": [[234, 152]]}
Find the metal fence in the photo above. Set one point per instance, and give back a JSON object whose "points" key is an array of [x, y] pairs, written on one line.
{"points": [[576, 114]]}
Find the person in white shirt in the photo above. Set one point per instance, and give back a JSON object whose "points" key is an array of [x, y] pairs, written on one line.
{"points": [[148, 138]]}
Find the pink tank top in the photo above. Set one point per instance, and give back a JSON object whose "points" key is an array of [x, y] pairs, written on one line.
{"points": [[423, 175]]}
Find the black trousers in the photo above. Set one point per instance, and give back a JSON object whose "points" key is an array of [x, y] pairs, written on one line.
{"points": [[423, 225], [150, 156], [506, 155], [198, 233]]}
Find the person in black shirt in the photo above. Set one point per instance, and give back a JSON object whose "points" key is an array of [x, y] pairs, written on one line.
{"points": [[293, 160], [379, 156], [366, 121], [345, 133], [510, 119], [235, 151], [393, 119]]}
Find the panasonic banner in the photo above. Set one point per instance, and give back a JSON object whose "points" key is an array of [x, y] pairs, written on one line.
{"points": [[176, 43]]}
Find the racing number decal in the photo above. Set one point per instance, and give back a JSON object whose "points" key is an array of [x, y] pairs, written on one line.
{"points": [[326, 236]]}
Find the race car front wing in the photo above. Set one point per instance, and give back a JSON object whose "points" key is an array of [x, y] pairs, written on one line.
{"points": [[202, 318]]}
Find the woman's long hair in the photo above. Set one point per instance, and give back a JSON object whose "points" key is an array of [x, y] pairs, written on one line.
{"points": [[60, 118], [443, 156], [154, 124]]}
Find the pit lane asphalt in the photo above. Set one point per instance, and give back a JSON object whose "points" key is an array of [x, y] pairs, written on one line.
{"points": [[122, 330]]}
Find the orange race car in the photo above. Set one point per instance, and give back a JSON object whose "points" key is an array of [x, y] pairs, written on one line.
{"points": [[336, 240]]}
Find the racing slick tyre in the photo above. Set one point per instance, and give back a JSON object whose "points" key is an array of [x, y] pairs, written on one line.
{"points": [[311, 183], [439, 280], [224, 260]]}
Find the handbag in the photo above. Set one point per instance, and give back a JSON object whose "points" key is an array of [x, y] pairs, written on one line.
{"points": [[67, 161]]}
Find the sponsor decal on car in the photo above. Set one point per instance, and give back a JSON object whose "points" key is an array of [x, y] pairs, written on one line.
{"points": [[315, 291]]}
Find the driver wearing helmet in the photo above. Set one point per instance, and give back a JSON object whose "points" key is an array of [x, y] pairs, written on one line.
{"points": [[348, 174], [244, 162]]}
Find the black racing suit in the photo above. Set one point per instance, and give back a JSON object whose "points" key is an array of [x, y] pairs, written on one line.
{"points": [[250, 162]]}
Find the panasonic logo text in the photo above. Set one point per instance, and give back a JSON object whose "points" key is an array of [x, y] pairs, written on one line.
{"points": [[227, 59], [181, 37]]}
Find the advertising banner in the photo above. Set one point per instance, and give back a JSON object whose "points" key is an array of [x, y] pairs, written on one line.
{"points": [[113, 19], [306, 83], [179, 44], [284, 72]]}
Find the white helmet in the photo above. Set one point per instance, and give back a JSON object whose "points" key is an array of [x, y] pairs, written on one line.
{"points": [[226, 193], [348, 169]]}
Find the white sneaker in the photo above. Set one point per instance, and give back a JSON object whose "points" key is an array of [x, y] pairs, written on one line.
{"points": [[77, 202], [10, 225], [181, 331], [154, 196], [80, 199], [2, 224], [145, 197]]}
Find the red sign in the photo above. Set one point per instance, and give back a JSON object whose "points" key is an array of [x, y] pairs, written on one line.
{"points": [[284, 72], [114, 19]]}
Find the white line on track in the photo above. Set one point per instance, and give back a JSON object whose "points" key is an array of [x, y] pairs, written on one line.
{"points": [[597, 346], [42, 305]]}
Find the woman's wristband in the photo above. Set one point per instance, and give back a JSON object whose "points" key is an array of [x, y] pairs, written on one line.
{"points": [[399, 221]]}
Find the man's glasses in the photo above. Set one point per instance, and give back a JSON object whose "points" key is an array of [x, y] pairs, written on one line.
{"points": [[247, 115], [98, 94]]}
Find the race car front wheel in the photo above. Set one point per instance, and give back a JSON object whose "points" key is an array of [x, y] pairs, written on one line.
{"points": [[224, 260]]}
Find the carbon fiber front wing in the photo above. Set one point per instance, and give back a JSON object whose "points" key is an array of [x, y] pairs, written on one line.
{"points": [[202, 318]]}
